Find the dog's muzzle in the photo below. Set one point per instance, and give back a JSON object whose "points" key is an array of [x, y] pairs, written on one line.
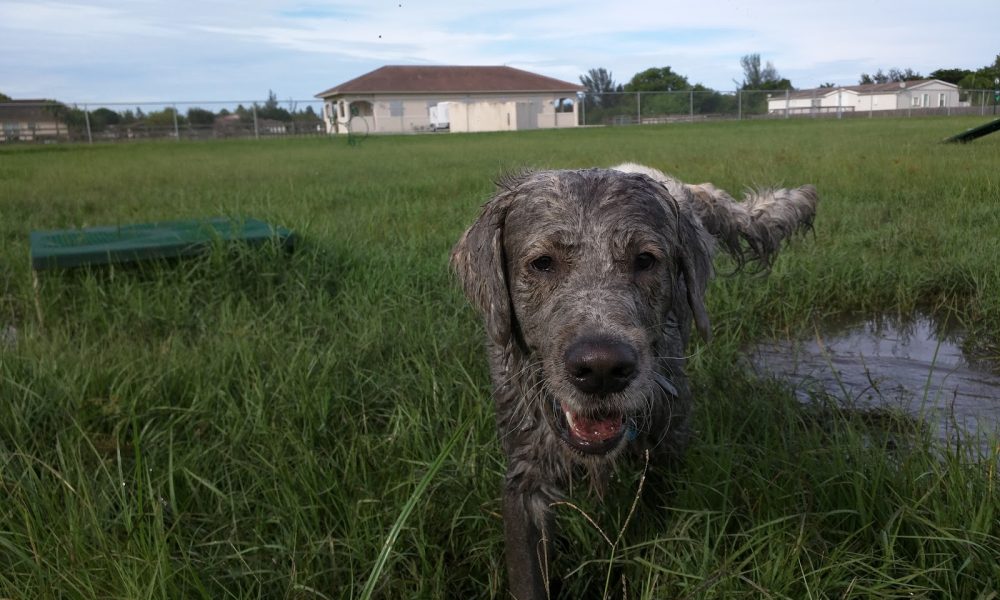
{"points": [[598, 367]]}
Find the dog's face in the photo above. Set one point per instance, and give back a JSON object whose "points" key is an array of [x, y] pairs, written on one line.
{"points": [[585, 272]]}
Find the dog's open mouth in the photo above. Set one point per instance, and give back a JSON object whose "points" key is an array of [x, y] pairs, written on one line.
{"points": [[597, 434]]}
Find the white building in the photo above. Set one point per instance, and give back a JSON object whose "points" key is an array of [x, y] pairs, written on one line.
{"points": [[874, 97], [406, 99]]}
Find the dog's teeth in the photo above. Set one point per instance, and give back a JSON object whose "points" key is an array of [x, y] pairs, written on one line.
{"points": [[569, 418]]}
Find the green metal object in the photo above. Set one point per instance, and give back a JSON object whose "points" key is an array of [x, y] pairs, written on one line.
{"points": [[145, 241], [974, 133]]}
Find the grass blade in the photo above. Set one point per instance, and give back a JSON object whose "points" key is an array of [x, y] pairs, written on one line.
{"points": [[411, 503]]}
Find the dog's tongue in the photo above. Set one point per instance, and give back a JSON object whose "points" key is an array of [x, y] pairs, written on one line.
{"points": [[593, 430]]}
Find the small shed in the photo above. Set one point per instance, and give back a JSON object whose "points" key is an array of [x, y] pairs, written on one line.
{"points": [[29, 121], [409, 99]]}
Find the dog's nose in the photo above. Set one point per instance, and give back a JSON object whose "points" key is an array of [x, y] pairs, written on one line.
{"points": [[600, 366]]}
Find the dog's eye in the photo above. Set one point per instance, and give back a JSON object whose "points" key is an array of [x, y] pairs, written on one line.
{"points": [[542, 263], [644, 261]]}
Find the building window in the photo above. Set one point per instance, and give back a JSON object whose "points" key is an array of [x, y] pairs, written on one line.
{"points": [[915, 101], [941, 99], [343, 109], [927, 100], [395, 108], [563, 105], [362, 108]]}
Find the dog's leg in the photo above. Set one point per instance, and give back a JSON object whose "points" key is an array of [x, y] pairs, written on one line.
{"points": [[527, 549]]}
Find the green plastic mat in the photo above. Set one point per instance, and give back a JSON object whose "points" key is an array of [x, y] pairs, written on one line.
{"points": [[145, 241]]}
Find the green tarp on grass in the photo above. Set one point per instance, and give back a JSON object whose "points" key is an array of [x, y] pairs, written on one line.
{"points": [[975, 133], [144, 241]]}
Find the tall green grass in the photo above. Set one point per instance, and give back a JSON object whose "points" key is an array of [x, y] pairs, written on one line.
{"points": [[253, 424]]}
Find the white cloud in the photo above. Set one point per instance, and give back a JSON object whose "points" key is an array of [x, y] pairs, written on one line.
{"points": [[74, 20], [107, 49]]}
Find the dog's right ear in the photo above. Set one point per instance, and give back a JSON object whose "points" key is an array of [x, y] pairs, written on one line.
{"points": [[478, 261], [695, 258]]}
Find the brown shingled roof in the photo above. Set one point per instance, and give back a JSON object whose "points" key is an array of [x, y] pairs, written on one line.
{"points": [[449, 79], [868, 88]]}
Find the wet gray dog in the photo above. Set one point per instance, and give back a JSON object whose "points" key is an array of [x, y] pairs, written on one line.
{"points": [[588, 282]]}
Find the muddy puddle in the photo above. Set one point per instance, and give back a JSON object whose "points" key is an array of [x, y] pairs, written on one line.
{"points": [[918, 366]]}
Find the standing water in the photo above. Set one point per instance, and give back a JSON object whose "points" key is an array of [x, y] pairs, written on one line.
{"points": [[913, 366]]}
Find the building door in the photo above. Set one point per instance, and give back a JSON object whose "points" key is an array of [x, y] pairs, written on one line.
{"points": [[527, 115]]}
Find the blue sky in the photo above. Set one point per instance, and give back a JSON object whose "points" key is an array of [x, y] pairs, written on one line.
{"points": [[151, 50]]}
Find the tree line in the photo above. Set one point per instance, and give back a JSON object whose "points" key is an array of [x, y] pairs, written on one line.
{"points": [[967, 79], [603, 93]]}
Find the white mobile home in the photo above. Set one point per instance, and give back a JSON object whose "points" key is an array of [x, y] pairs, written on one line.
{"points": [[896, 95]]}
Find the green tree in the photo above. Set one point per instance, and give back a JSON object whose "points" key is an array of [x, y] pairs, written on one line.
{"points": [[707, 101], [305, 116], [757, 77], [600, 86], [164, 119], [981, 78], [893, 75], [5, 97], [878, 77], [200, 117], [71, 116], [102, 117], [662, 79], [950, 75], [904, 75], [990, 72], [271, 110]]}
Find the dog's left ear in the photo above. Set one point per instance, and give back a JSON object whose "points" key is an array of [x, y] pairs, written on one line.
{"points": [[478, 261]]}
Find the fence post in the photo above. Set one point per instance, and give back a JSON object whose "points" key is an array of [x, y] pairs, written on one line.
{"points": [[256, 132], [177, 130], [691, 106], [739, 103], [788, 104], [840, 95], [583, 110], [638, 108], [909, 103], [86, 119]]}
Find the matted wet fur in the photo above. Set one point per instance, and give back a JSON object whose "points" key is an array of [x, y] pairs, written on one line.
{"points": [[588, 282]]}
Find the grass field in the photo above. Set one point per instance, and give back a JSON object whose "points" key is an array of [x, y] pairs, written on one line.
{"points": [[253, 425]]}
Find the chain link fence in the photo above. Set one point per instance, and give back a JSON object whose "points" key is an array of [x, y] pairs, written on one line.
{"points": [[41, 121], [36, 121], [648, 108]]}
